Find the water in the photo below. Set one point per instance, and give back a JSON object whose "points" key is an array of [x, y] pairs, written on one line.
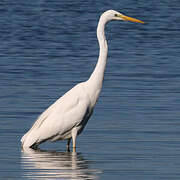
{"points": [[49, 46]]}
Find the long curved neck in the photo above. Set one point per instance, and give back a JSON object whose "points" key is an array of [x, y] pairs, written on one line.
{"points": [[98, 74]]}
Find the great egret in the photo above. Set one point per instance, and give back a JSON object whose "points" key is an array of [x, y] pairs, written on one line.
{"points": [[67, 117]]}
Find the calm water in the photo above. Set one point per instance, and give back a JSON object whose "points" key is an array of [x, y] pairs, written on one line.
{"points": [[49, 46]]}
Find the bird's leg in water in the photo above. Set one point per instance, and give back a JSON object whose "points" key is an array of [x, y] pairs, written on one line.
{"points": [[74, 135], [68, 144]]}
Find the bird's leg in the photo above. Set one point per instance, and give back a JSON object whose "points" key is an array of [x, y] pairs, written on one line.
{"points": [[74, 135], [68, 144]]}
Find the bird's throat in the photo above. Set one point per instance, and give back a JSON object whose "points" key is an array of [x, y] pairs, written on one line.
{"points": [[98, 74]]}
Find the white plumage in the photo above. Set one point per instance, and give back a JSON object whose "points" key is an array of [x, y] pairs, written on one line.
{"points": [[67, 117]]}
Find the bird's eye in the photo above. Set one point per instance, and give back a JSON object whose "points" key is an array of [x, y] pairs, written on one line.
{"points": [[116, 15]]}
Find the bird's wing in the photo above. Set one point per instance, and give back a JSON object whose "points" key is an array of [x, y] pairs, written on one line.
{"points": [[62, 116]]}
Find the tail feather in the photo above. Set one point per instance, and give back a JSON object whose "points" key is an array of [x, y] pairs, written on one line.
{"points": [[29, 140]]}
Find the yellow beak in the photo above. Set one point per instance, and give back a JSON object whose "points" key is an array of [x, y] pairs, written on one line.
{"points": [[127, 18]]}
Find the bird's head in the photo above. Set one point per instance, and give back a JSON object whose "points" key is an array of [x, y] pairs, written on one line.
{"points": [[114, 15]]}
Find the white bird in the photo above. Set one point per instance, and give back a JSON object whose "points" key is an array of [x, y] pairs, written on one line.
{"points": [[67, 117]]}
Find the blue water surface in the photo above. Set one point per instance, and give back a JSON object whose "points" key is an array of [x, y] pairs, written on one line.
{"points": [[49, 46]]}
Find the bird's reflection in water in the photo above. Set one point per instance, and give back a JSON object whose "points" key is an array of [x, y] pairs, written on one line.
{"points": [[52, 164]]}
